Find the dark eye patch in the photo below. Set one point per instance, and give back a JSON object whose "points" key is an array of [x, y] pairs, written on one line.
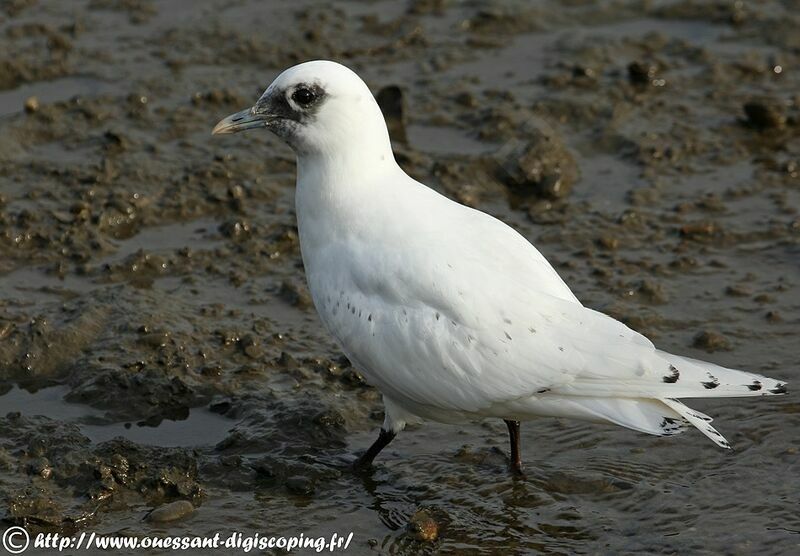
{"points": [[304, 96]]}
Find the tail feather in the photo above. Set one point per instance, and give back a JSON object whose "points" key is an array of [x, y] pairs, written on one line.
{"points": [[662, 417], [648, 401], [701, 421], [674, 377], [717, 381], [639, 414]]}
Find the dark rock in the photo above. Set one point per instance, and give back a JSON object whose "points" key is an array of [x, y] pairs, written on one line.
{"points": [[764, 114], [390, 100], [644, 73], [543, 167], [711, 341], [299, 484]]}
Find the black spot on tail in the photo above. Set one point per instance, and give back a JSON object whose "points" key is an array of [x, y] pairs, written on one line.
{"points": [[712, 383], [755, 386], [671, 426], [779, 389], [673, 376], [542, 390]]}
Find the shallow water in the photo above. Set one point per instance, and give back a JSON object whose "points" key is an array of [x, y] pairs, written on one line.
{"points": [[200, 427], [154, 315]]}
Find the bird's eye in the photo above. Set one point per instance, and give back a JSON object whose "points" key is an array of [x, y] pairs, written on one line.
{"points": [[303, 96]]}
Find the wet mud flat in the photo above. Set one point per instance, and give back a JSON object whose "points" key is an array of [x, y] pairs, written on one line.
{"points": [[157, 341]]}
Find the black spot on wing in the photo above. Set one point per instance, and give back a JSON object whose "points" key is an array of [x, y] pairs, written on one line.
{"points": [[673, 375], [755, 386], [712, 382], [780, 389]]}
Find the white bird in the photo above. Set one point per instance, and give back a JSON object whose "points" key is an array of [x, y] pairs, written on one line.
{"points": [[449, 312]]}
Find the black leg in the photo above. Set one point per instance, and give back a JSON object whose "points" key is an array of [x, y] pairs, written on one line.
{"points": [[516, 456], [365, 461]]}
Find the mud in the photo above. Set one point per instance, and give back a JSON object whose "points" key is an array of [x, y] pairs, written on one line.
{"points": [[159, 354]]}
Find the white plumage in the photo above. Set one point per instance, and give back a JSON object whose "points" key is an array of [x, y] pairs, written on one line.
{"points": [[449, 312]]}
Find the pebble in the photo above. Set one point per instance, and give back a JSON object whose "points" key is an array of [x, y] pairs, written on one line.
{"points": [[171, 512], [764, 114], [390, 99], [423, 527], [298, 484], [711, 341], [773, 316], [642, 73], [31, 105]]}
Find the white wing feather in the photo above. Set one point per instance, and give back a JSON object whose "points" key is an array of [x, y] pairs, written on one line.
{"points": [[499, 324]]}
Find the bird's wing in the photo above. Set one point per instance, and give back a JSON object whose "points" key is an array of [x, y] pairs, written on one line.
{"points": [[473, 316], [469, 353], [601, 357]]}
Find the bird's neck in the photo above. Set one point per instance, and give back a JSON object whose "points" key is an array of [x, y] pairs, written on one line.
{"points": [[335, 191]]}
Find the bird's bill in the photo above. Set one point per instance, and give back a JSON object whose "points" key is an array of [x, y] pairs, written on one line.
{"points": [[241, 121]]}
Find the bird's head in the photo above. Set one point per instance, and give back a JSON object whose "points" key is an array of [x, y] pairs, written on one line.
{"points": [[318, 108]]}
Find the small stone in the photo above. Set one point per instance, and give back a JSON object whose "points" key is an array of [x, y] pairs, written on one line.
{"points": [[251, 346], [764, 114], [390, 100], [773, 316], [543, 168], [608, 243], [467, 100], [642, 73], [234, 229], [697, 230], [155, 339], [711, 341], [738, 291], [298, 484], [171, 512], [31, 105], [41, 466], [295, 295], [652, 291], [423, 527]]}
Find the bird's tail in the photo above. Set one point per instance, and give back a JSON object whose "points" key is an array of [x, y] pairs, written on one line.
{"points": [[717, 381], [701, 421], [660, 417], [650, 403]]}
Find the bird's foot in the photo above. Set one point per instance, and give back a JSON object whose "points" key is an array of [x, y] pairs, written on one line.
{"points": [[516, 471], [362, 465]]}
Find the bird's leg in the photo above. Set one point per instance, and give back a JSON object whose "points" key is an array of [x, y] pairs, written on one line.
{"points": [[516, 456], [365, 461]]}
